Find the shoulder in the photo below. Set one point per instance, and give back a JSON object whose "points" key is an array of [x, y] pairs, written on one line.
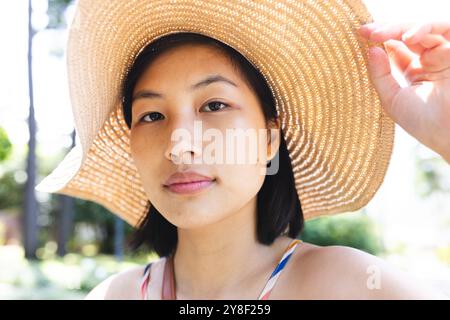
{"points": [[119, 286], [339, 272]]}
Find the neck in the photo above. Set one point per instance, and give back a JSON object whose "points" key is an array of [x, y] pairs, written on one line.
{"points": [[217, 259]]}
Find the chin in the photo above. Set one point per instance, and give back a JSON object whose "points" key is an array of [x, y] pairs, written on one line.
{"points": [[189, 217]]}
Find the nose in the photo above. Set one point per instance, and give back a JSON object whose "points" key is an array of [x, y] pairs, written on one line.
{"points": [[185, 145], [184, 155]]}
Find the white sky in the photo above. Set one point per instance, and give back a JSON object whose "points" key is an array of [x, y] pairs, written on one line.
{"points": [[50, 86]]}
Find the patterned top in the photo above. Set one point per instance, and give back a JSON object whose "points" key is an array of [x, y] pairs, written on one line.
{"points": [[267, 288]]}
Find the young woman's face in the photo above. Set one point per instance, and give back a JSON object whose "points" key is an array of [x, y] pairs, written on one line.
{"points": [[164, 138]]}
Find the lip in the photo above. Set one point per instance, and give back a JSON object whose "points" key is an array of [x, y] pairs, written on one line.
{"points": [[188, 182], [190, 187]]}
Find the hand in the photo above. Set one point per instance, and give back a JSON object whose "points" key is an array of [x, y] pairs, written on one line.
{"points": [[422, 53]]}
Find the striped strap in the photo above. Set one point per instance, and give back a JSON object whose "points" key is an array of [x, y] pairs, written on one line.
{"points": [[145, 281], [265, 292], [276, 273]]}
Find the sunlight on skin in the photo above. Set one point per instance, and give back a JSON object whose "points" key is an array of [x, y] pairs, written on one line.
{"points": [[425, 90]]}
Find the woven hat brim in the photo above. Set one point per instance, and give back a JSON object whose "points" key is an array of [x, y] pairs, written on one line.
{"points": [[338, 137]]}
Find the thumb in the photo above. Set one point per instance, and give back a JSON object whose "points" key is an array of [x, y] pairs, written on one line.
{"points": [[381, 76]]}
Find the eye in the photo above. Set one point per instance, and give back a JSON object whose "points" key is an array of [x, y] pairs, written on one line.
{"points": [[151, 117], [215, 105], [210, 106]]}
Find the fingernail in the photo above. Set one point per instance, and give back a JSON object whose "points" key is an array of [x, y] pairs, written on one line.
{"points": [[369, 24], [407, 35], [372, 25]]}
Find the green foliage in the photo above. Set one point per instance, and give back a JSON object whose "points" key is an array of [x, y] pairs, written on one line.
{"points": [[95, 214], [56, 9], [91, 212], [11, 192], [87, 213], [355, 230], [432, 176], [71, 277], [5, 145]]}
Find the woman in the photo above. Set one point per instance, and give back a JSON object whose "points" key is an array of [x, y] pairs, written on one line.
{"points": [[228, 230]]}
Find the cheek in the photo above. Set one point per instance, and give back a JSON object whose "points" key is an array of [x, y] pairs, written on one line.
{"points": [[143, 144], [144, 155], [136, 149], [242, 181]]}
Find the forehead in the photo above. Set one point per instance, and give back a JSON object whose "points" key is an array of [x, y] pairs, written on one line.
{"points": [[192, 53], [186, 63]]}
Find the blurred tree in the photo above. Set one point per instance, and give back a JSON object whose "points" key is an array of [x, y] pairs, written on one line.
{"points": [[30, 203], [432, 176], [5, 145], [56, 11], [65, 218], [11, 191], [354, 230], [67, 212], [97, 215], [432, 185]]}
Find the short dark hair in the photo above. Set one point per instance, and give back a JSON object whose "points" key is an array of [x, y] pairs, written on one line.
{"points": [[278, 204]]}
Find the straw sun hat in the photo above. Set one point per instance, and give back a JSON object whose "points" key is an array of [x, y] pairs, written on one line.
{"points": [[338, 137]]}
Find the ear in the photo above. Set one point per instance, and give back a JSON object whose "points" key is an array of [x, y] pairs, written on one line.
{"points": [[273, 138]]}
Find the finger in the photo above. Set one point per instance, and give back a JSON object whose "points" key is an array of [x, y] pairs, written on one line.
{"points": [[416, 33], [400, 54], [442, 28], [438, 28], [381, 76], [436, 59], [391, 32], [430, 41], [430, 76], [366, 30], [378, 32], [407, 62]]}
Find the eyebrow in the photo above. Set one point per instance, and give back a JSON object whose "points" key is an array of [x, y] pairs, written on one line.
{"points": [[147, 94]]}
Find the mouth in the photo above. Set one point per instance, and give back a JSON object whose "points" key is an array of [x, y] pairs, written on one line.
{"points": [[190, 187]]}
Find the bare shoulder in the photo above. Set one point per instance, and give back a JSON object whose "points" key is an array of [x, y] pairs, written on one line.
{"points": [[339, 272], [120, 286]]}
